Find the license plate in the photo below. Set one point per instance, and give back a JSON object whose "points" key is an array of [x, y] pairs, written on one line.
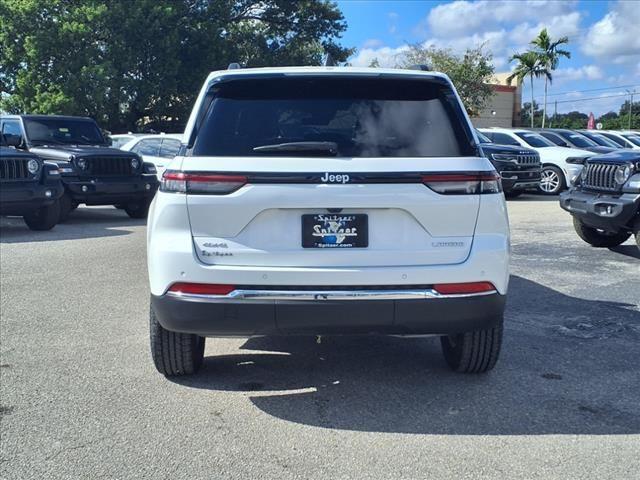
{"points": [[335, 230]]}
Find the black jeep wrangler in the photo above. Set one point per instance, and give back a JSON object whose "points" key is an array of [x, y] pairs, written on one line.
{"points": [[519, 167], [92, 173], [605, 202], [29, 188]]}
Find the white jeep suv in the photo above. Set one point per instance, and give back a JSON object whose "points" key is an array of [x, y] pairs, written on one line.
{"points": [[328, 200], [560, 165]]}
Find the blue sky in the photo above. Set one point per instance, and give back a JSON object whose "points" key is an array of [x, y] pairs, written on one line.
{"points": [[604, 39]]}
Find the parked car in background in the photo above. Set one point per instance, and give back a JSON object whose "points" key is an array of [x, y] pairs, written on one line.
{"points": [[621, 139], [600, 139], [119, 139], [320, 201], [632, 136], [92, 173], [605, 203], [29, 188], [569, 138], [157, 149], [560, 165], [519, 167]]}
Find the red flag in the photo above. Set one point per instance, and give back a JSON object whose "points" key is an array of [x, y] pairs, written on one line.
{"points": [[591, 124]]}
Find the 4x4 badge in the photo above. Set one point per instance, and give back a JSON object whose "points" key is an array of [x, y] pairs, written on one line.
{"points": [[330, 178]]}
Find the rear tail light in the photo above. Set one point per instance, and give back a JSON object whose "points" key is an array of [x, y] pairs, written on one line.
{"points": [[202, 183], [463, 288], [182, 288], [463, 183]]}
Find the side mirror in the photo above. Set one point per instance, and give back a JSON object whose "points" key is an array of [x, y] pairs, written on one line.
{"points": [[13, 140]]}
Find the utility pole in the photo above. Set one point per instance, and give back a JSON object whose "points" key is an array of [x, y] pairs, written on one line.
{"points": [[555, 111], [631, 93]]}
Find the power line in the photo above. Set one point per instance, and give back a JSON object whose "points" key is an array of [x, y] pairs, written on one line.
{"points": [[578, 100], [591, 90]]}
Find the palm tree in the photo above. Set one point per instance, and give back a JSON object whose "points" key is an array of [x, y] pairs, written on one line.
{"points": [[528, 66], [549, 52]]}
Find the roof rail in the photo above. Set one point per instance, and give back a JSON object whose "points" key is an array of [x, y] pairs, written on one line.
{"points": [[422, 67], [234, 66]]}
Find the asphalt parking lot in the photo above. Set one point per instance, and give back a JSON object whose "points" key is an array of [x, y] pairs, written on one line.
{"points": [[80, 397]]}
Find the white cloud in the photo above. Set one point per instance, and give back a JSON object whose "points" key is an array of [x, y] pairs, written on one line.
{"points": [[586, 72], [505, 27], [372, 43], [386, 56], [498, 25], [495, 42], [461, 17], [393, 22], [617, 36], [558, 26]]}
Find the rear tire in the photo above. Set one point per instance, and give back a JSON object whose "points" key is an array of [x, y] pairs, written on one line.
{"points": [[599, 239], [66, 207], [174, 354], [552, 180], [473, 352], [45, 218], [137, 210]]}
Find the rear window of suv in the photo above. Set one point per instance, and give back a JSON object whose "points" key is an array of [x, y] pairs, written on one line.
{"points": [[363, 117]]}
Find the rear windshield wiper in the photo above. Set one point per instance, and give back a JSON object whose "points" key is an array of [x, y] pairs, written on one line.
{"points": [[327, 148]]}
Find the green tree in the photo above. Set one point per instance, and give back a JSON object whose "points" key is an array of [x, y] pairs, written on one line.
{"points": [[624, 116], [528, 66], [571, 120], [471, 72], [129, 63], [525, 113], [549, 53]]}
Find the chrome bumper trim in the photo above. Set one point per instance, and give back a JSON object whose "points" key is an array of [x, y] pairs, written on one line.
{"points": [[321, 295]]}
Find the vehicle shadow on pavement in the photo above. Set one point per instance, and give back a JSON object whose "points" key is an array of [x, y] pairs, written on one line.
{"points": [[569, 366], [535, 197], [629, 250], [82, 223]]}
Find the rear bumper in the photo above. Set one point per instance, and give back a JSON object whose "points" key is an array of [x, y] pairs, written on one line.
{"points": [[22, 198], [109, 191], [222, 316], [609, 213]]}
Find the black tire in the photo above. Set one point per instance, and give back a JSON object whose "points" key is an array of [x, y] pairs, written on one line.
{"points": [[513, 193], [137, 210], [66, 207], [45, 218], [552, 180], [174, 354], [473, 352], [599, 239]]}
